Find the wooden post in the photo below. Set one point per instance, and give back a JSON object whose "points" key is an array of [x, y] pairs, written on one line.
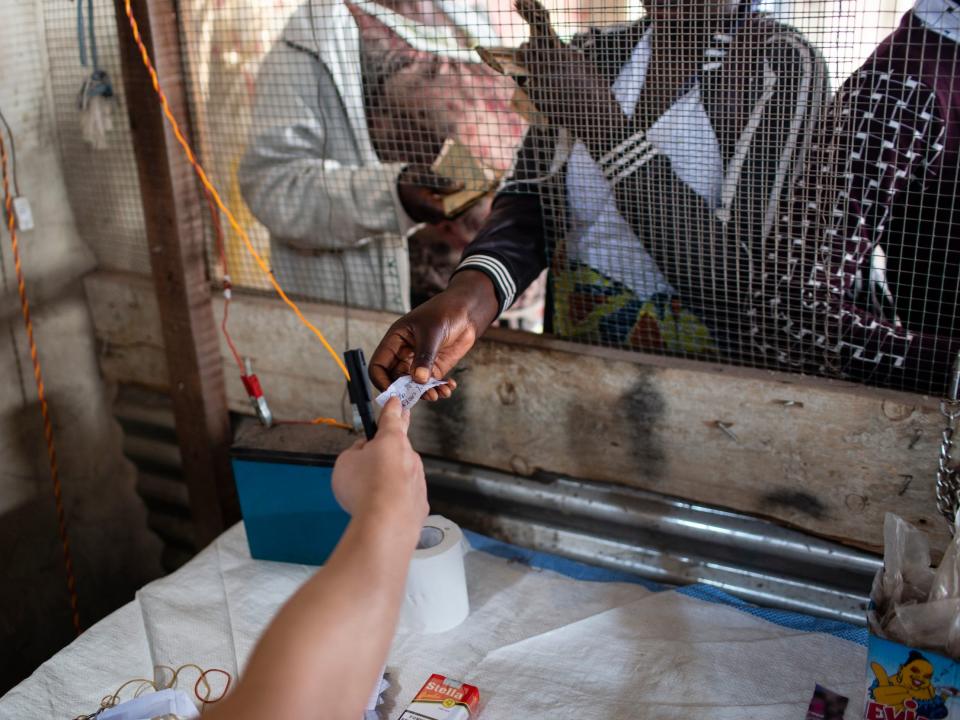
{"points": [[171, 208]]}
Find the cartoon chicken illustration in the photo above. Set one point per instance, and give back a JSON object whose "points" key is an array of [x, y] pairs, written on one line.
{"points": [[911, 688]]}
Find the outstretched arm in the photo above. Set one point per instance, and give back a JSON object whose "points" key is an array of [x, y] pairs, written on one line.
{"points": [[506, 256], [321, 655]]}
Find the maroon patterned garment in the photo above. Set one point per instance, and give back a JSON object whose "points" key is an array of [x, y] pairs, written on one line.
{"points": [[883, 174], [894, 152]]}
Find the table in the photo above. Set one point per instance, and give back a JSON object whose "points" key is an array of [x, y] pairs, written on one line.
{"points": [[546, 638]]}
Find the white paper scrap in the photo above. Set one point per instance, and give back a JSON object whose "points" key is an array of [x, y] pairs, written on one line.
{"points": [[376, 699], [163, 703], [408, 390]]}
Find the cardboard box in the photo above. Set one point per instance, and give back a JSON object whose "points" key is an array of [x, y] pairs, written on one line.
{"points": [[908, 684], [441, 698]]}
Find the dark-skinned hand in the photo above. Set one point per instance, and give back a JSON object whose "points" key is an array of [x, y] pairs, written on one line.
{"points": [[432, 338], [421, 192], [564, 84]]}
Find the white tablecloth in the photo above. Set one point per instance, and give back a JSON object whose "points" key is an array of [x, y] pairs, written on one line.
{"points": [[538, 644]]}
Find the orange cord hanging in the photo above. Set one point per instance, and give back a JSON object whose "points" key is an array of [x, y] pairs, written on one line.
{"points": [[212, 191], [41, 395], [227, 298]]}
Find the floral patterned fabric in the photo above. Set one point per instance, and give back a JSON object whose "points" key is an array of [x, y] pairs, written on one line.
{"points": [[590, 306]]}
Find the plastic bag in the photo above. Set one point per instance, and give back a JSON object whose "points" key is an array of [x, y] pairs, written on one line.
{"points": [[96, 121], [913, 603], [946, 582]]}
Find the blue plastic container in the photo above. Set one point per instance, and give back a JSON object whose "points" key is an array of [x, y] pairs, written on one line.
{"points": [[288, 506]]}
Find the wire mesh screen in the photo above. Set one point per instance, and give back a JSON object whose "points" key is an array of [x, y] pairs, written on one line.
{"points": [[308, 113], [99, 164], [770, 184]]}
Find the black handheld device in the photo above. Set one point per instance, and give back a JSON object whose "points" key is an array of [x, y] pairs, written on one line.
{"points": [[359, 389]]}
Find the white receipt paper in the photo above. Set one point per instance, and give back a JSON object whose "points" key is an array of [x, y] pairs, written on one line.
{"points": [[408, 390], [436, 598]]}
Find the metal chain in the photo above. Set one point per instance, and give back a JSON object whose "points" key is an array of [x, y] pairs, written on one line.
{"points": [[948, 478]]}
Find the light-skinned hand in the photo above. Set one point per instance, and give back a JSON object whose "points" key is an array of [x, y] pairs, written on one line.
{"points": [[384, 477]]}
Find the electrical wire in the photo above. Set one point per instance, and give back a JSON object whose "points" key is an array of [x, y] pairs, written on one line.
{"points": [[41, 393], [226, 281], [215, 204], [212, 191], [227, 284], [13, 153], [316, 421]]}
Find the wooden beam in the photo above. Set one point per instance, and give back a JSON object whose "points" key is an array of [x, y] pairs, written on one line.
{"points": [[826, 457], [171, 207]]}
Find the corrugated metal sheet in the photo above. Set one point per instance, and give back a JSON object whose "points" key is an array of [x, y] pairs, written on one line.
{"points": [[659, 538]]}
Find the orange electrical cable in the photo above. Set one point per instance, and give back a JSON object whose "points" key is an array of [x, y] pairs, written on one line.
{"points": [[41, 395], [227, 298], [316, 421], [209, 187]]}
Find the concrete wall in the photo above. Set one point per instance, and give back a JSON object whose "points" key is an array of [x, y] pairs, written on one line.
{"points": [[113, 551]]}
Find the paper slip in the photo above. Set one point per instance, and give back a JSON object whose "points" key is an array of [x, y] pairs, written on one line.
{"points": [[407, 390]]}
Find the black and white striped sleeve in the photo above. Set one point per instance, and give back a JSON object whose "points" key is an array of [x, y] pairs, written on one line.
{"points": [[510, 248], [499, 274]]}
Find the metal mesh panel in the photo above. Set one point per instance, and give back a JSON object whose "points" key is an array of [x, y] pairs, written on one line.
{"points": [[769, 184], [102, 183], [305, 115]]}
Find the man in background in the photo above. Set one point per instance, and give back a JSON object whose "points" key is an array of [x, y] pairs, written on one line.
{"points": [[670, 145], [850, 272], [338, 163]]}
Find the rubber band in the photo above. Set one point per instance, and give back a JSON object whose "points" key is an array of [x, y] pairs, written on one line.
{"points": [[156, 685], [203, 678]]}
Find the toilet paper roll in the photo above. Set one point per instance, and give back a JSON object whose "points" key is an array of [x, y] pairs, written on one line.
{"points": [[436, 595]]}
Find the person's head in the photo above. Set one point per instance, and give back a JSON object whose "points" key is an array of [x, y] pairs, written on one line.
{"points": [[667, 10], [916, 674]]}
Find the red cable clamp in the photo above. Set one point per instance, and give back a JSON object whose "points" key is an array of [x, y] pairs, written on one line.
{"points": [[255, 392]]}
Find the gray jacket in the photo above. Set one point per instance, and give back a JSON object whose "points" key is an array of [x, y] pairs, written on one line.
{"points": [[311, 175]]}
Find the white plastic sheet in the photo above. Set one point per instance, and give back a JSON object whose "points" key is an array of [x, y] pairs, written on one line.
{"points": [[538, 644]]}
